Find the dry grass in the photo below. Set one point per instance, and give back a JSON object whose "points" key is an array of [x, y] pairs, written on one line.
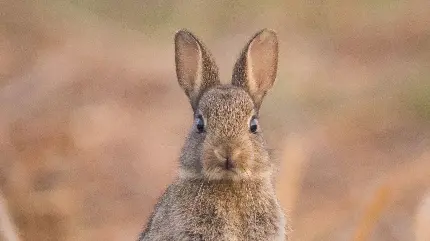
{"points": [[422, 232], [372, 214], [8, 230]]}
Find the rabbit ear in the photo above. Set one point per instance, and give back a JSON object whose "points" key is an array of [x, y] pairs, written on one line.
{"points": [[256, 68], [195, 68]]}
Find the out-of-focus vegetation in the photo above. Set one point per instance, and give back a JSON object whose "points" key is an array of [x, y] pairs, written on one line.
{"points": [[92, 118]]}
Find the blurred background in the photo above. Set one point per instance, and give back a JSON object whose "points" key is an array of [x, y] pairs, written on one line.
{"points": [[92, 118]]}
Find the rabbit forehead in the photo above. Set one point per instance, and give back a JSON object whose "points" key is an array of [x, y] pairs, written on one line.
{"points": [[226, 105]]}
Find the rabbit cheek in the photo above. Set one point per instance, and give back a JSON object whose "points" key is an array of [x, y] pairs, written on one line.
{"points": [[261, 158], [208, 161], [244, 158]]}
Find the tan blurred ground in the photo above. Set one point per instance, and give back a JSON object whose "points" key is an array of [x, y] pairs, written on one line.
{"points": [[92, 118]]}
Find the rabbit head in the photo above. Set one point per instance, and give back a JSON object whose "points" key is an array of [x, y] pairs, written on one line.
{"points": [[225, 142]]}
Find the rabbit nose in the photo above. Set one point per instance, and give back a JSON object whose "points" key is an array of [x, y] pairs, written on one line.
{"points": [[226, 159], [229, 164]]}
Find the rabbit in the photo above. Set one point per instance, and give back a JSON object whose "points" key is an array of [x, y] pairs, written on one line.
{"points": [[224, 189]]}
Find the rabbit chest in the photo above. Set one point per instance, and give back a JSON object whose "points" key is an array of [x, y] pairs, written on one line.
{"points": [[227, 211]]}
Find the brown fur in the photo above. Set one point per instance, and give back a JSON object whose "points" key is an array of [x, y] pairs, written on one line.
{"points": [[209, 201]]}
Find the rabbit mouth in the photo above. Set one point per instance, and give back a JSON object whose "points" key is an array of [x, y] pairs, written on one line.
{"points": [[225, 162], [221, 172]]}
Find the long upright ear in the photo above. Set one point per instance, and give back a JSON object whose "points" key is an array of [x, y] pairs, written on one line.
{"points": [[256, 68], [195, 68]]}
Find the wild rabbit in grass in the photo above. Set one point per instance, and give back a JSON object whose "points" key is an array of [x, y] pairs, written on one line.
{"points": [[224, 190]]}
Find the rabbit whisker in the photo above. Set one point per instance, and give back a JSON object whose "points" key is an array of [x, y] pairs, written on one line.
{"points": [[253, 204], [198, 193]]}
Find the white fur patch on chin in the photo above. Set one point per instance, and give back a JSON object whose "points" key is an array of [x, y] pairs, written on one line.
{"points": [[221, 174], [218, 173]]}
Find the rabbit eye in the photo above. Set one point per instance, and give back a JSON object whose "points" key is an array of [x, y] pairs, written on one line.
{"points": [[200, 124], [253, 124]]}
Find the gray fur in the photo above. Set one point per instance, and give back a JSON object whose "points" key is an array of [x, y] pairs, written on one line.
{"points": [[209, 201]]}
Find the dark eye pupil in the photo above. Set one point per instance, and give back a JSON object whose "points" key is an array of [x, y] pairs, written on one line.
{"points": [[200, 124], [253, 125]]}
